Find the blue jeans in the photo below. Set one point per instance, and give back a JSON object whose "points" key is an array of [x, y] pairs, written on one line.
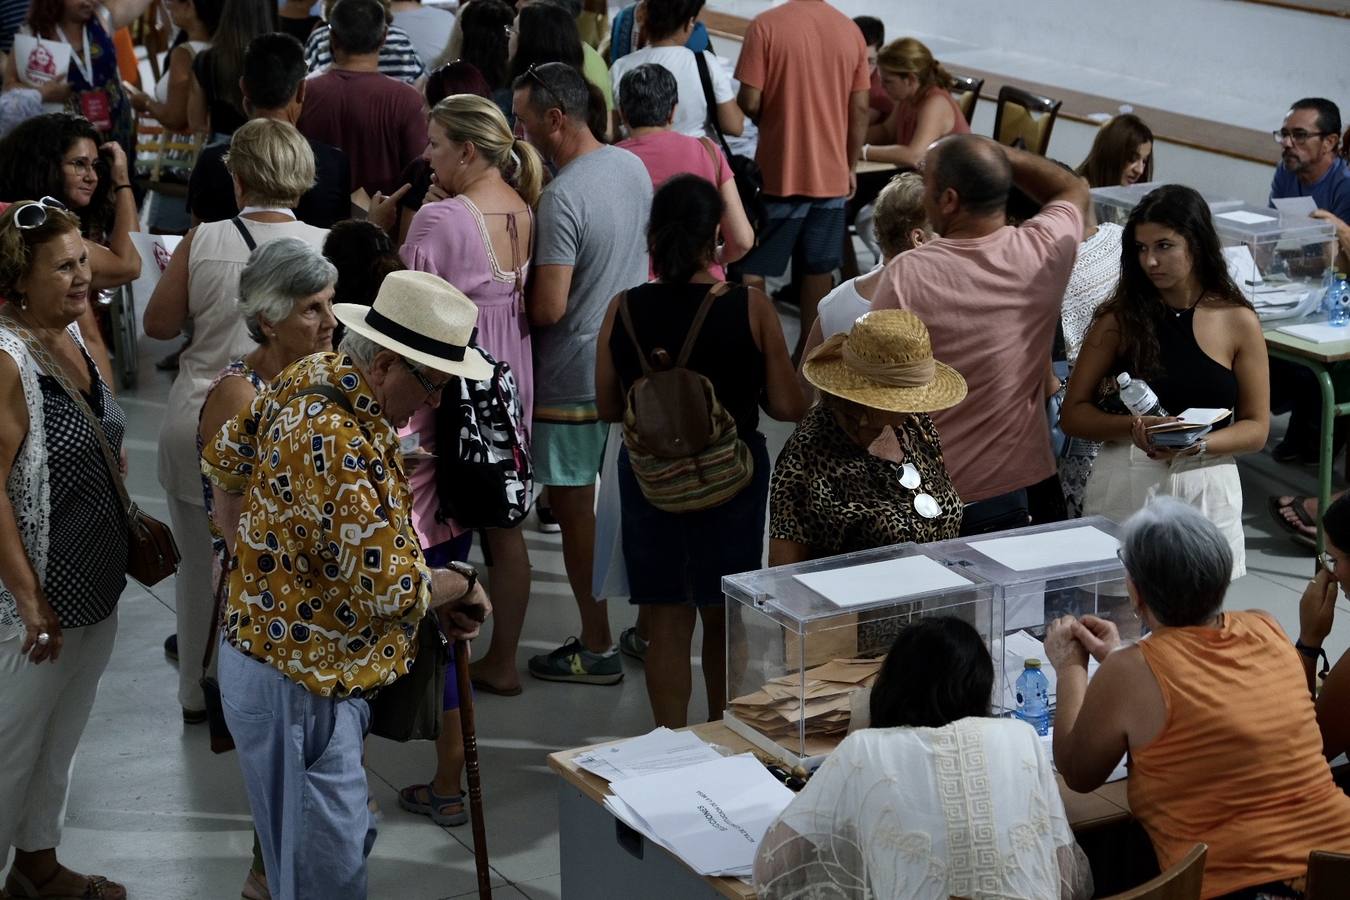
{"points": [[301, 758]]}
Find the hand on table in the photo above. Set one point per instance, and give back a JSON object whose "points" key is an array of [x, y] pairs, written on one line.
{"points": [[461, 619], [1317, 609], [1062, 647], [384, 209]]}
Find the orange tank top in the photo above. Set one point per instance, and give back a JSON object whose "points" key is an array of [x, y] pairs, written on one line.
{"points": [[1239, 762]]}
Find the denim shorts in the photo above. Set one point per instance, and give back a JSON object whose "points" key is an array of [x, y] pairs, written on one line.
{"points": [[807, 231]]}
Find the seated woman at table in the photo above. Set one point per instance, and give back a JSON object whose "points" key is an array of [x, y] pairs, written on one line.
{"points": [[924, 107], [1177, 320], [864, 467], [875, 819], [1121, 154], [1211, 707]]}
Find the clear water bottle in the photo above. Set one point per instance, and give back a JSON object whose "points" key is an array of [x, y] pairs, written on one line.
{"points": [[1336, 301], [1138, 397], [1033, 696]]}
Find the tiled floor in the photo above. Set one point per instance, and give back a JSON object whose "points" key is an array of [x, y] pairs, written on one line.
{"points": [[153, 807]]}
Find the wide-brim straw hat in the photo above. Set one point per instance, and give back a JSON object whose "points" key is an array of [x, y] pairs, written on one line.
{"points": [[885, 362], [424, 319]]}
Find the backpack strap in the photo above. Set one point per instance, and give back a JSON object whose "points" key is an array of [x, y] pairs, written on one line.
{"points": [[322, 390], [632, 333], [713, 293]]}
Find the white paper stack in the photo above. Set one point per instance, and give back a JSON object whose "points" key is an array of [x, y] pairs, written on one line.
{"points": [[657, 751], [711, 815]]}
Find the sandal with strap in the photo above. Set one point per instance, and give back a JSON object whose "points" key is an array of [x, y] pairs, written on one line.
{"points": [[443, 810], [96, 887], [1305, 519]]}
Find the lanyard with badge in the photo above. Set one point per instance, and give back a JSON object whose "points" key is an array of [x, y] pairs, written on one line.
{"points": [[95, 104]]}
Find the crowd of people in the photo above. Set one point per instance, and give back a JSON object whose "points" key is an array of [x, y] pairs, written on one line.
{"points": [[434, 263]]}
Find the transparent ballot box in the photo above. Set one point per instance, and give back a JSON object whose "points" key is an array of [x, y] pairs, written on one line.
{"points": [[805, 641], [1115, 203], [1281, 261]]}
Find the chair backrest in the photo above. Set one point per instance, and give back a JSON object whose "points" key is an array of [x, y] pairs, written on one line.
{"points": [[966, 92], [1328, 876], [1181, 882], [1024, 120]]}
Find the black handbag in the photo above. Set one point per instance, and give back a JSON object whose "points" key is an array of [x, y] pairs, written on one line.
{"points": [[410, 708], [744, 170], [221, 739]]}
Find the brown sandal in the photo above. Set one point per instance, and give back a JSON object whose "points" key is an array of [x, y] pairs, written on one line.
{"points": [[96, 887]]}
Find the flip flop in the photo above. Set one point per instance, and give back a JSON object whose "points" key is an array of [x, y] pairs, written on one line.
{"points": [[407, 799], [96, 887], [486, 688], [1301, 513]]}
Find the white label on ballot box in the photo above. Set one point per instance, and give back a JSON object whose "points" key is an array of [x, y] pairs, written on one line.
{"points": [[1243, 217], [893, 579], [1049, 548]]}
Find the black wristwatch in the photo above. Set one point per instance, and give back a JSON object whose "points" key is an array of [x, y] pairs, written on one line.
{"points": [[470, 575]]}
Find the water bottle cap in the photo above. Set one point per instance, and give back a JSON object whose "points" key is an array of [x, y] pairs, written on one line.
{"points": [[1032, 663], [1123, 380]]}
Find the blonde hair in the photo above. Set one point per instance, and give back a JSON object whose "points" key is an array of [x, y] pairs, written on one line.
{"points": [[273, 162], [909, 56], [899, 210], [471, 119]]}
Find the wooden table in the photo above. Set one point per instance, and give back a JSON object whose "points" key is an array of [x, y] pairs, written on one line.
{"points": [[866, 167], [587, 855], [1318, 359]]}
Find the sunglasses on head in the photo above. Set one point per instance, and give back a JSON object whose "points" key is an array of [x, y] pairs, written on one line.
{"points": [[33, 214], [555, 102]]}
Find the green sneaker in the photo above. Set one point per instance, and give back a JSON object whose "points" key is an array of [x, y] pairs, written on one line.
{"points": [[573, 662], [632, 645]]}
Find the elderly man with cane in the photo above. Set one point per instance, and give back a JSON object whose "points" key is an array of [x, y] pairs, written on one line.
{"points": [[329, 584]]}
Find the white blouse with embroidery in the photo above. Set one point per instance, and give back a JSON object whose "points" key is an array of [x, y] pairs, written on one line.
{"points": [[1096, 272], [971, 809]]}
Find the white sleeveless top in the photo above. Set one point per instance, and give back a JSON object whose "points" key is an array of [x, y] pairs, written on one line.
{"points": [[162, 86], [218, 254]]}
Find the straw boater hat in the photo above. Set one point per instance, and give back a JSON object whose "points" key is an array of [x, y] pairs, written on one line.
{"points": [[885, 362], [424, 319]]}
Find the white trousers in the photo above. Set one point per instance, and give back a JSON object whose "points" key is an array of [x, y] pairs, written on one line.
{"points": [[43, 710], [193, 591]]}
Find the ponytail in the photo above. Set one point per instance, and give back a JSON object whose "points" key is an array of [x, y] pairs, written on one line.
{"points": [[528, 177]]}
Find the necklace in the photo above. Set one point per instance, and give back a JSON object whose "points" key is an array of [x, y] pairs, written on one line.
{"points": [[1177, 313]]}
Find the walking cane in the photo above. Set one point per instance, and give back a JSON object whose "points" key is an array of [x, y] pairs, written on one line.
{"points": [[466, 727]]}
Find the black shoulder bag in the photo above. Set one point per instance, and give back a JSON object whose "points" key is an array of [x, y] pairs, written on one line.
{"points": [[744, 170]]}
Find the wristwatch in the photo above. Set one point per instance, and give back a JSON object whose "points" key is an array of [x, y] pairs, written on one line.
{"points": [[470, 576]]}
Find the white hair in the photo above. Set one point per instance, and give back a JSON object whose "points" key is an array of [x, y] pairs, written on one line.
{"points": [[277, 274]]}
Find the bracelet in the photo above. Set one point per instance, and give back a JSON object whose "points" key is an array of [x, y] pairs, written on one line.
{"points": [[864, 152], [1315, 654], [1308, 651], [122, 187]]}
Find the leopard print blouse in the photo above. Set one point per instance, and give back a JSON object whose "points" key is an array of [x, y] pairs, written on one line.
{"points": [[834, 497]]}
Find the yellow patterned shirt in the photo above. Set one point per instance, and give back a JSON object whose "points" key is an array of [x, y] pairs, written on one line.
{"points": [[330, 583]]}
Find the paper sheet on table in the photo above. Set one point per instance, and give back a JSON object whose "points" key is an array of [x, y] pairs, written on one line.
{"points": [[657, 751], [624, 813], [1242, 265], [1244, 217], [1050, 548], [1295, 206], [711, 815], [38, 61], [1318, 333], [893, 579]]}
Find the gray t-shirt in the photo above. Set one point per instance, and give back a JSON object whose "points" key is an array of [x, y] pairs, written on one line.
{"points": [[592, 217]]}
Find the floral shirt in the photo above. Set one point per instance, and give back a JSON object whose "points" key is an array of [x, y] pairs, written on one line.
{"points": [[329, 584]]}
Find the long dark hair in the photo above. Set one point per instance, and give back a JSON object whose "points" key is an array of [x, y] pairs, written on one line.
{"points": [[1112, 148], [1136, 304], [486, 44], [546, 33], [682, 230], [240, 22], [44, 16], [938, 671], [32, 160]]}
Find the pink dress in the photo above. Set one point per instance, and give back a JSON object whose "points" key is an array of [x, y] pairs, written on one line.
{"points": [[450, 238]]}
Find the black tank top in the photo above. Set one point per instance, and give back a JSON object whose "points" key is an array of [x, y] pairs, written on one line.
{"points": [[725, 352], [1191, 378]]}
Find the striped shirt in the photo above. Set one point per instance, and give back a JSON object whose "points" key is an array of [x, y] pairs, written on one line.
{"points": [[398, 56]]}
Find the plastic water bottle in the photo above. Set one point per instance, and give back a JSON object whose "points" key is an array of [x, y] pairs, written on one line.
{"points": [[1138, 397], [1033, 696], [1336, 301]]}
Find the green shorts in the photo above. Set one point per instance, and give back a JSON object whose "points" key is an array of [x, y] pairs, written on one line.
{"points": [[567, 444]]}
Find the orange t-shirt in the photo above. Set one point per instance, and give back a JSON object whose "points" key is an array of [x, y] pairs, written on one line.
{"points": [[806, 58], [1239, 761]]}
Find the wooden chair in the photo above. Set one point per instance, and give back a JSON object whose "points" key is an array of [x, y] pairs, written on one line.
{"points": [[966, 93], [1328, 876], [1181, 882], [1024, 120]]}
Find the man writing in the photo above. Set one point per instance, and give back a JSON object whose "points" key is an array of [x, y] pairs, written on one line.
{"points": [[329, 585]]}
